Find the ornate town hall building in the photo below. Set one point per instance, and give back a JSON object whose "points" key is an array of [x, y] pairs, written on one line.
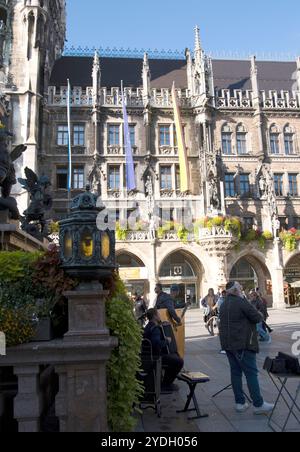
{"points": [[241, 123]]}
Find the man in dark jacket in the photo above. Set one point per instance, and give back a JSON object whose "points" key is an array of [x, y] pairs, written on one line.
{"points": [[238, 334], [172, 362], [165, 301]]}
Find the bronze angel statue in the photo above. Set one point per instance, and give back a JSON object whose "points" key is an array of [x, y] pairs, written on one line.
{"points": [[8, 174], [33, 221]]}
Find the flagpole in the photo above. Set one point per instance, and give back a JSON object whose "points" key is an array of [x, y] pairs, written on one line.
{"points": [[69, 147]]}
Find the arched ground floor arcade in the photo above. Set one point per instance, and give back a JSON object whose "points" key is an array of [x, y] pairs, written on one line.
{"points": [[196, 270]]}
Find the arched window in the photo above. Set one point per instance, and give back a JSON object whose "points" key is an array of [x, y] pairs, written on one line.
{"points": [[244, 273], [274, 140], [178, 266], [241, 140], [226, 140], [289, 143]]}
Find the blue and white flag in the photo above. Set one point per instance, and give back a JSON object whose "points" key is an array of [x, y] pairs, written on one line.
{"points": [[69, 100], [130, 174]]}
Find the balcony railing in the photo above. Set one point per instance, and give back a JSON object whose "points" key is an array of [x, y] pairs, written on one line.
{"points": [[119, 150]]}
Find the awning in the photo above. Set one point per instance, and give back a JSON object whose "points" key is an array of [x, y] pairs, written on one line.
{"points": [[296, 285]]}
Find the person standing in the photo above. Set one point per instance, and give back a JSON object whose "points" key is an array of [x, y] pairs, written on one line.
{"points": [[210, 304], [238, 335], [258, 304], [165, 301]]}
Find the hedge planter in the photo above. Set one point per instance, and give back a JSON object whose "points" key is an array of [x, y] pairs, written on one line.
{"points": [[44, 330]]}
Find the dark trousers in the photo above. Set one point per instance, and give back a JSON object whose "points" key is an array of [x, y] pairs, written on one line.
{"points": [[172, 364]]}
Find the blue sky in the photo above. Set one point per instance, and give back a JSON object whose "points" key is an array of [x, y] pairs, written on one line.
{"points": [[255, 26]]}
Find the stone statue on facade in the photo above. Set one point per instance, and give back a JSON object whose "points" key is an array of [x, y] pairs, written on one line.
{"points": [[33, 221], [8, 174], [149, 191], [95, 180], [214, 199], [152, 228]]}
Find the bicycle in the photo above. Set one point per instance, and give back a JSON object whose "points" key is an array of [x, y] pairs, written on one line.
{"points": [[212, 321]]}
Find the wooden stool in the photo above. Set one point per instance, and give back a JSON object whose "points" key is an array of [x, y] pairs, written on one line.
{"points": [[192, 379]]}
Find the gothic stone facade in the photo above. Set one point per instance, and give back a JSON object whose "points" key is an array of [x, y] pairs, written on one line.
{"points": [[32, 36], [241, 118]]}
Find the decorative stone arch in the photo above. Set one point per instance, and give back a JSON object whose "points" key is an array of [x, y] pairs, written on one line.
{"points": [[260, 267], [241, 128], [135, 272], [132, 255], [274, 129], [290, 257], [226, 128], [183, 267], [197, 260]]}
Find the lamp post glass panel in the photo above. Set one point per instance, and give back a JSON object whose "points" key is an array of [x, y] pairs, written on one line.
{"points": [[87, 253]]}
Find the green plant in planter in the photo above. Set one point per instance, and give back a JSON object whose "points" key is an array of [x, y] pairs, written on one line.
{"points": [[218, 221], [251, 236], [124, 390], [183, 234], [14, 265], [233, 225], [166, 227], [121, 233], [268, 235], [289, 241]]}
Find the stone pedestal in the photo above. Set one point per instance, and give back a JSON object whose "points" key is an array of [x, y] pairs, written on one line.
{"points": [[278, 277], [81, 404], [87, 313]]}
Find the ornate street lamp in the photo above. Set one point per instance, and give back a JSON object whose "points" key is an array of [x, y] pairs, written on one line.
{"points": [[87, 253]]}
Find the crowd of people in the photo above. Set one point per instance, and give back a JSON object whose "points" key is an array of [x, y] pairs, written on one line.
{"points": [[212, 304], [242, 324]]}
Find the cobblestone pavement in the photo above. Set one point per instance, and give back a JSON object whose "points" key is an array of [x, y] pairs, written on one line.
{"points": [[202, 354]]}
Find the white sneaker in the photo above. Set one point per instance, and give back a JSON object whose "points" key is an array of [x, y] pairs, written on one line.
{"points": [[242, 408], [267, 408]]}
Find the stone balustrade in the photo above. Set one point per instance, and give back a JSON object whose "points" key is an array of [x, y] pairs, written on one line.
{"points": [[79, 362], [162, 98]]}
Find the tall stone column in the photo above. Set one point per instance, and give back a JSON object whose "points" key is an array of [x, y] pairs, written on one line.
{"points": [[277, 275], [28, 403]]}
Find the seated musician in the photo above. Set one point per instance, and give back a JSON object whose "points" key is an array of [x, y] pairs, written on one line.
{"points": [[171, 361], [166, 301]]}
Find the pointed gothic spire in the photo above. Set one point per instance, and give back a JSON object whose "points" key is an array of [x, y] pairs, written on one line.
{"points": [[190, 67], [96, 77], [197, 39], [146, 75], [254, 81]]}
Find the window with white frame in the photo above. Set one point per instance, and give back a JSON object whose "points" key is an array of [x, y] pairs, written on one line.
{"points": [[278, 184], [289, 144], [62, 138], [274, 140], [241, 140], [114, 135], [166, 182], [78, 178], [132, 135], [230, 188], [114, 177], [293, 185], [245, 185], [165, 135], [226, 140], [79, 135]]}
